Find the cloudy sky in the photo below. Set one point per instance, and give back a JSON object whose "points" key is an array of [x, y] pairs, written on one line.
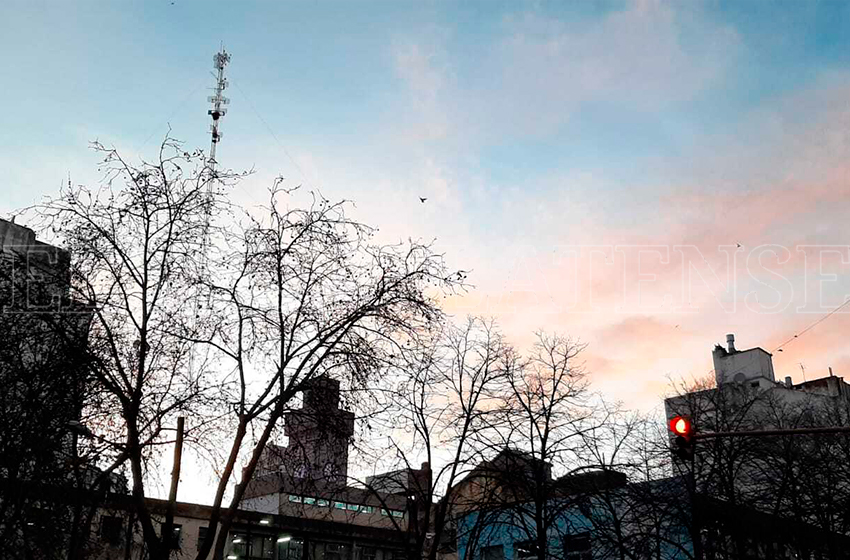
{"points": [[596, 165]]}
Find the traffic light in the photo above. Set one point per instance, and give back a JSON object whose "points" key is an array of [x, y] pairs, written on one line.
{"points": [[683, 444]]}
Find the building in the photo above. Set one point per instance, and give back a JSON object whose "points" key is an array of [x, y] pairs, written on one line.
{"points": [[298, 507], [308, 477], [792, 481], [319, 434], [738, 498], [648, 520], [748, 375], [43, 376], [254, 535]]}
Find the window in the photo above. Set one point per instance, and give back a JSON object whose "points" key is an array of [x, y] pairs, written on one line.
{"points": [[262, 546], [525, 549], [294, 498], [339, 505], [320, 502], [577, 547], [354, 507], [334, 551], [239, 544], [202, 534], [367, 509], [292, 549], [110, 529], [309, 501], [396, 513], [495, 552], [174, 541], [368, 553]]}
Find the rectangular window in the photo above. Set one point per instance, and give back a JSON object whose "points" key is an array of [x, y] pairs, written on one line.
{"points": [[176, 534], [334, 551], [239, 544], [262, 546], [339, 505], [397, 513], [384, 512], [110, 529], [367, 509], [202, 534], [309, 501], [322, 503], [292, 549], [577, 547], [525, 550], [294, 498], [354, 507], [495, 552]]}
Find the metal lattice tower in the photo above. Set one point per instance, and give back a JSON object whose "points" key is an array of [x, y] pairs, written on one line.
{"points": [[218, 101], [217, 111]]}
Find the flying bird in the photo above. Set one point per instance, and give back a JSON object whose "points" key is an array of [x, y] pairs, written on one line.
{"points": [[422, 199], [739, 245]]}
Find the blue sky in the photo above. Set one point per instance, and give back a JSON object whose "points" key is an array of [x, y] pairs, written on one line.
{"points": [[532, 127]]}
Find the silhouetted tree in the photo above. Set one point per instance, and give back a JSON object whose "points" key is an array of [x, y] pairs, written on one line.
{"points": [[437, 410], [299, 293]]}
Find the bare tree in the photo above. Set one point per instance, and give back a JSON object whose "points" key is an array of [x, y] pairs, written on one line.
{"points": [[300, 293], [136, 241], [742, 496], [437, 412], [539, 424], [199, 307]]}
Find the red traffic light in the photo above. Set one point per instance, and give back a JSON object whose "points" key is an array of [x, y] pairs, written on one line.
{"points": [[681, 426]]}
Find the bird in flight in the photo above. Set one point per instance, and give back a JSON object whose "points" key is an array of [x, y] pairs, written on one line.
{"points": [[422, 199], [739, 245]]}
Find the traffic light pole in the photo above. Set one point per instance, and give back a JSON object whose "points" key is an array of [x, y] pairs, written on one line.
{"points": [[778, 432], [687, 436]]}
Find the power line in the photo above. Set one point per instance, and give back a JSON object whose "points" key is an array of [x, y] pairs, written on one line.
{"points": [[813, 325], [807, 329], [271, 132], [174, 112]]}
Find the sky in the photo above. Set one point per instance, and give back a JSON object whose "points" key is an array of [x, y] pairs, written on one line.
{"points": [[642, 176]]}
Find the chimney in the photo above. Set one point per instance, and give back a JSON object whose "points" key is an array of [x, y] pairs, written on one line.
{"points": [[788, 381], [830, 371], [730, 343]]}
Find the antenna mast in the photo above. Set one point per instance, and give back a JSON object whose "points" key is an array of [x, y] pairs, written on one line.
{"points": [[218, 101]]}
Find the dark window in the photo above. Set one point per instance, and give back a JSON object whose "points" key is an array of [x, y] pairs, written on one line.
{"points": [[525, 549], [176, 532], [262, 546], [202, 534], [292, 549], [110, 529], [335, 551], [239, 544], [754, 384], [577, 547], [368, 553], [496, 552]]}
